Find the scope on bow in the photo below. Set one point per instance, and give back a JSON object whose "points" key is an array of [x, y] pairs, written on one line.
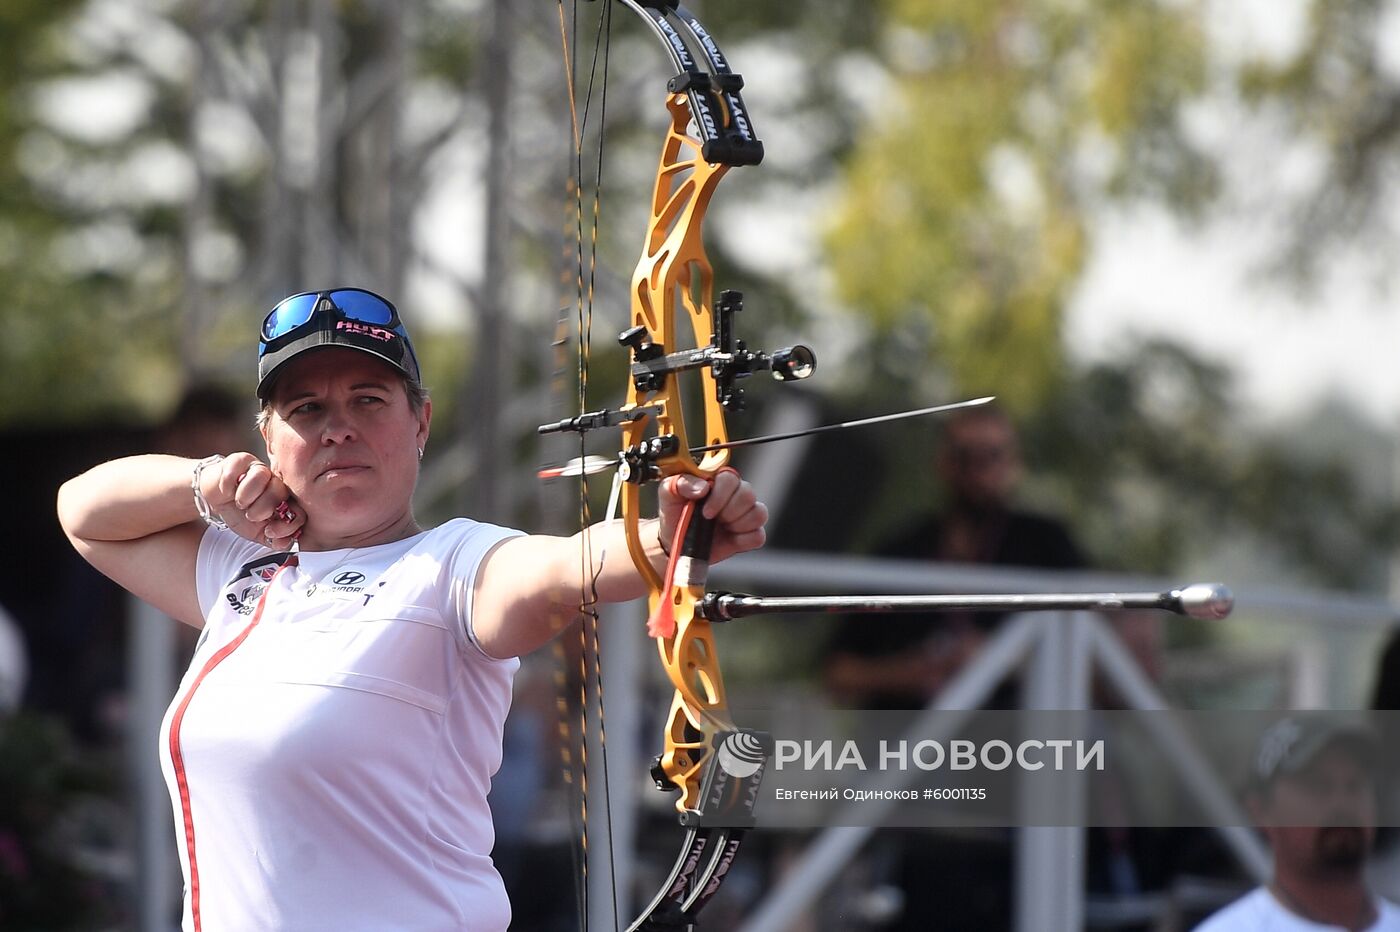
{"points": [[727, 357], [793, 363]]}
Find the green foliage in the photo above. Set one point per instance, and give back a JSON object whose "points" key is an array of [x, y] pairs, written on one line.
{"points": [[1148, 456], [72, 347], [965, 223], [27, 43], [82, 341], [1337, 94], [448, 51]]}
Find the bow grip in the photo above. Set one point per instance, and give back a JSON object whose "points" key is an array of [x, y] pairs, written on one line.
{"points": [[698, 539], [687, 570], [697, 543]]}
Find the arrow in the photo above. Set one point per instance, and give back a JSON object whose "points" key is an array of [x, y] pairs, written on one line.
{"points": [[844, 425], [594, 464]]}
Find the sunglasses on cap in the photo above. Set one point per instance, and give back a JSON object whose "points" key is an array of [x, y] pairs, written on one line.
{"points": [[355, 304], [350, 317]]}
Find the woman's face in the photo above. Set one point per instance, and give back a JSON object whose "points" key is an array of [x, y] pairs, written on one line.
{"points": [[343, 436]]}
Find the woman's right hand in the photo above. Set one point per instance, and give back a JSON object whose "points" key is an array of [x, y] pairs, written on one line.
{"points": [[243, 491]]}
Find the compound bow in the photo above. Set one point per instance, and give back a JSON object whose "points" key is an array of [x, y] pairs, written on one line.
{"points": [[674, 279], [714, 765]]}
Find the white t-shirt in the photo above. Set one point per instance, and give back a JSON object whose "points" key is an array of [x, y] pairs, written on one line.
{"points": [[330, 750], [1260, 911]]}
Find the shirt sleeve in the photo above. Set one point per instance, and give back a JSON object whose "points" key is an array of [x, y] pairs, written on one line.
{"points": [[474, 542]]}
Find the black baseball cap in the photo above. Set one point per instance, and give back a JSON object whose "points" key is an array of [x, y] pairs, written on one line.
{"points": [[353, 318]]}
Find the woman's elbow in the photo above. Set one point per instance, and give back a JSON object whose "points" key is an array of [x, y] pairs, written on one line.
{"points": [[73, 512], [69, 514]]}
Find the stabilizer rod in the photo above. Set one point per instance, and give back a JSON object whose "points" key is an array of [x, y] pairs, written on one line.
{"points": [[1201, 600]]}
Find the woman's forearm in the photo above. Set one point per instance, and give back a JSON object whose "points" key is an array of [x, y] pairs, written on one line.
{"points": [[618, 579], [127, 499]]}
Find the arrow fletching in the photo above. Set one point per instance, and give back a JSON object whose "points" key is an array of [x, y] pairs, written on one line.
{"points": [[578, 466]]}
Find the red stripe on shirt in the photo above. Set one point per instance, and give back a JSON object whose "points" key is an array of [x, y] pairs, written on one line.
{"points": [[178, 758]]}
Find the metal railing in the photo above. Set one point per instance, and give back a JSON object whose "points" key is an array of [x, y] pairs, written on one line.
{"points": [[1060, 654]]}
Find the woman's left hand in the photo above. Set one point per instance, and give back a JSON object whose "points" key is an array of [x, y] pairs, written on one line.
{"points": [[738, 514]]}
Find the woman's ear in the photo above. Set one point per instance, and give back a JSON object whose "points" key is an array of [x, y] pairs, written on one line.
{"points": [[263, 429], [425, 419]]}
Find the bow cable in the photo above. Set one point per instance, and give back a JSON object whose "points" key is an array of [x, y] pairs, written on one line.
{"points": [[589, 568]]}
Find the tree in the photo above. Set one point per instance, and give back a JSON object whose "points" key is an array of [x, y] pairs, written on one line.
{"points": [[176, 168], [969, 214], [51, 316], [966, 220], [1337, 96]]}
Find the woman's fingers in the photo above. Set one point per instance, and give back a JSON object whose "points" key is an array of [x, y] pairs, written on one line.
{"points": [[255, 502], [728, 500], [252, 493]]}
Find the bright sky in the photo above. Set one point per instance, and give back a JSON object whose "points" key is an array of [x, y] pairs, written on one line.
{"points": [[1151, 276], [1203, 287]]}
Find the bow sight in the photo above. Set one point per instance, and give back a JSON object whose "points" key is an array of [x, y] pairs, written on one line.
{"points": [[727, 358]]}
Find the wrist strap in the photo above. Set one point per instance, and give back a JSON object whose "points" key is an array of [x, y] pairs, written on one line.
{"points": [[200, 505]]}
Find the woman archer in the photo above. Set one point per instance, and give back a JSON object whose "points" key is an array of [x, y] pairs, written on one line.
{"points": [[330, 750]]}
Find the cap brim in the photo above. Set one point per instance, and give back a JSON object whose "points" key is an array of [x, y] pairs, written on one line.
{"points": [[273, 363]]}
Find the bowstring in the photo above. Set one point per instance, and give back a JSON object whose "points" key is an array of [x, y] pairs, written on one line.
{"points": [[589, 570]]}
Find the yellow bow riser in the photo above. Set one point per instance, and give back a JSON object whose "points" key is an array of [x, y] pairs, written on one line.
{"points": [[672, 277]]}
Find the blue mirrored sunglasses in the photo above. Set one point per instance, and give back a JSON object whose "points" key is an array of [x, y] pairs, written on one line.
{"points": [[352, 303]]}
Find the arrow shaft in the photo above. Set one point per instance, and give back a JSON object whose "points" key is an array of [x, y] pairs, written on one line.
{"points": [[844, 425], [612, 418]]}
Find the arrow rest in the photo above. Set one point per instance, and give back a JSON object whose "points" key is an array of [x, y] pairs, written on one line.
{"points": [[639, 461]]}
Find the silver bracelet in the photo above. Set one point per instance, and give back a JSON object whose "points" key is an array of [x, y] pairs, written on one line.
{"points": [[200, 505]]}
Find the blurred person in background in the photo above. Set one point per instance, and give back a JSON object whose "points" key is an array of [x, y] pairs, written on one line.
{"points": [[1385, 705], [904, 661], [208, 419], [330, 750], [1313, 795]]}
